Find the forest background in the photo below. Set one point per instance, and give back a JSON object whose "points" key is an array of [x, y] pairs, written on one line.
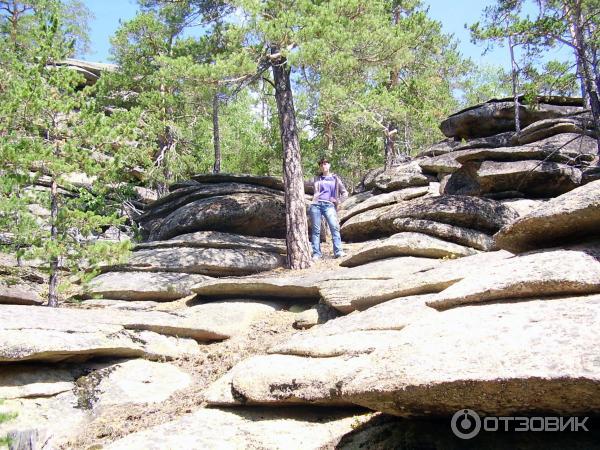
{"points": [[368, 83]]}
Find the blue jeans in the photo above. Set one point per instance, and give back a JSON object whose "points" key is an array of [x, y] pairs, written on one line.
{"points": [[328, 210]]}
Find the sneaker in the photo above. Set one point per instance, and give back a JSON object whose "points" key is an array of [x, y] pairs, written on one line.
{"points": [[316, 257], [340, 255]]}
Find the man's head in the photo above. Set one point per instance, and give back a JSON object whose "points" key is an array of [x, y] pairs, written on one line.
{"points": [[322, 161]]}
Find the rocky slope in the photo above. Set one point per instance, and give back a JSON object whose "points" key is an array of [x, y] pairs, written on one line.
{"points": [[472, 280]]}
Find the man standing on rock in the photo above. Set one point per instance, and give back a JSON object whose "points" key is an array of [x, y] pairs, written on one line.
{"points": [[330, 192]]}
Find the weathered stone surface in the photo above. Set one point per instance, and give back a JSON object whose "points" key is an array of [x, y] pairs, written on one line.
{"points": [[316, 315], [406, 244], [43, 422], [439, 148], [574, 215], [368, 181], [523, 206], [531, 177], [299, 287], [354, 200], [307, 286], [19, 294], [500, 359], [570, 148], [283, 380], [411, 277], [469, 212], [400, 177], [377, 201], [259, 180], [154, 286], [33, 333], [365, 225], [441, 164], [187, 194], [216, 239], [253, 214], [25, 381], [244, 428], [460, 235], [358, 332], [550, 127], [497, 116], [205, 261], [131, 381], [553, 272]]}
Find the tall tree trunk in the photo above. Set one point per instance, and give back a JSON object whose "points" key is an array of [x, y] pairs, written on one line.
{"points": [[53, 283], [298, 248], [389, 144], [584, 60], [514, 74], [216, 135], [328, 133]]}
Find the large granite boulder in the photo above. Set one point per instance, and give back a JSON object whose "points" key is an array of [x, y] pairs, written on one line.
{"points": [[149, 286], [497, 116], [412, 276], [259, 180], [532, 178], [566, 148], [401, 177], [459, 235], [19, 294], [34, 333], [406, 244], [549, 127], [470, 212], [376, 201], [251, 214], [217, 239], [498, 359], [248, 428], [571, 216], [574, 271], [205, 261], [197, 191]]}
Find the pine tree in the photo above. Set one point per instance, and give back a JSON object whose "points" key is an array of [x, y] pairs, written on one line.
{"points": [[40, 143]]}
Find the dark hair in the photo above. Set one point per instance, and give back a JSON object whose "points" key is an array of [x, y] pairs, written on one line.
{"points": [[323, 160]]}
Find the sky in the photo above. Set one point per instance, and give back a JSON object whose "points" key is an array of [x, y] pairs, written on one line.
{"points": [[453, 14]]}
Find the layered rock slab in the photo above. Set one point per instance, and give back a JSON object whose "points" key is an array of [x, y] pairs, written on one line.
{"points": [[217, 239], [497, 116], [499, 359], [252, 214], [406, 244], [574, 215], [143, 286], [204, 261], [242, 428], [528, 177], [469, 212], [360, 293], [574, 271], [50, 334]]}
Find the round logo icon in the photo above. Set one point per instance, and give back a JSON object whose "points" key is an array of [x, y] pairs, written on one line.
{"points": [[465, 424]]}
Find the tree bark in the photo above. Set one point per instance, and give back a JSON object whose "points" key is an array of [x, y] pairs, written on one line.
{"points": [[216, 135], [53, 282], [575, 17], [329, 134], [389, 144], [298, 248], [514, 72]]}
